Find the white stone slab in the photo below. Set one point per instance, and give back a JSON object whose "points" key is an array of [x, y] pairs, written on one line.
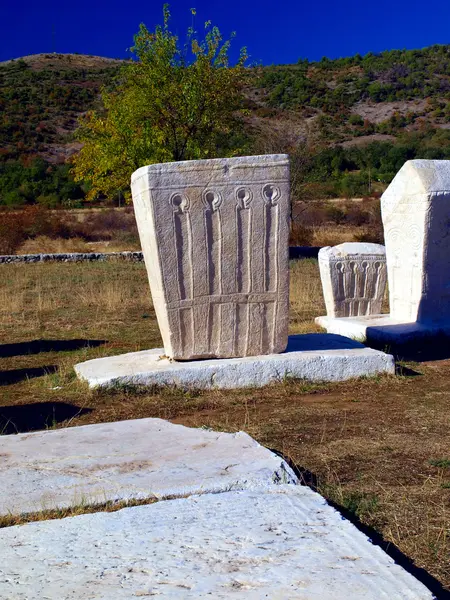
{"points": [[282, 543], [214, 234], [128, 459], [316, 357], [381, 329], [353, 278]]}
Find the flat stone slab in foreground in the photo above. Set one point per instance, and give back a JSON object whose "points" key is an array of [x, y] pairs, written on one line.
{"points": [[315, 357], [278, 543], [128, 459]]}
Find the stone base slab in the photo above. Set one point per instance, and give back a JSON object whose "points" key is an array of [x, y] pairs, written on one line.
{"points": [[276, 543], [140, 458], [381, 329], [315, 357]]}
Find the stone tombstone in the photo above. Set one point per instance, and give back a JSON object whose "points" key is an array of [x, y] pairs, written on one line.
{"points": [[353, 279], [214, 235], [416, 217]]}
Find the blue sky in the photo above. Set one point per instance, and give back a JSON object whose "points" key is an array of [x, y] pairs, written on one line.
{"points": [[273, 31]]}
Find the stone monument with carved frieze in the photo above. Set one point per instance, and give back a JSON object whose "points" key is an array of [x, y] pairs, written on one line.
{"points": [[214, 235], [353, 278]]}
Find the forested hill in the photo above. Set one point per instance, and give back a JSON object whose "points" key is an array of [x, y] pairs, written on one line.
{"points": [[385, 93], [345, 118]]}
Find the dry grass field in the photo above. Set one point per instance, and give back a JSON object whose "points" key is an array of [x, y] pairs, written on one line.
{"points": [[379, 447]]}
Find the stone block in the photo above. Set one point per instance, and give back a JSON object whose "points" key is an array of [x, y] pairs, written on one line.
{"points": [[353, 278], [125, 460], [315, 357], [416, 217], [214, 234], [278, 543]]}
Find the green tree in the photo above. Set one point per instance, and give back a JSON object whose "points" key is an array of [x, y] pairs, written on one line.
{"points": [[176, 102]]}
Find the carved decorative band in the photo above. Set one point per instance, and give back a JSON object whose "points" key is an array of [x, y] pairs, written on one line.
{"points": [[358, 259], [261, 297], [161, 186]]}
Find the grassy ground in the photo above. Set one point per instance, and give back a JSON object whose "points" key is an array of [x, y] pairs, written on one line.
{"points": [[378, 447]]}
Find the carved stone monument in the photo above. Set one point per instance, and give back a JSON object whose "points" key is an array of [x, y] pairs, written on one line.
{"points": [[215, 238], [353, 278], [214, 235], [416, 218]]}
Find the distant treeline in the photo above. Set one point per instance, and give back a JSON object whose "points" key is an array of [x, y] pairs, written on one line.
{"points": [[353, 171]]}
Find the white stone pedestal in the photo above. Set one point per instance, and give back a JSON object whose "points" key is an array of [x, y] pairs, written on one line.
{"points": [[381, 329], [315, 357]]}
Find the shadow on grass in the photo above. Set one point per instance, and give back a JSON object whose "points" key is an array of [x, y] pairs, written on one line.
{"points": [[37, 346], [309, 479], [427, 348], [404, 371], [40, 415], [17, 375]]}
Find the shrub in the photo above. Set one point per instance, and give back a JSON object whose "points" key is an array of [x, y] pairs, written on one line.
{"points": [[49, 201]]}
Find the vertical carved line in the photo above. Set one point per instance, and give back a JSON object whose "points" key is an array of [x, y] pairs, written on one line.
{"points": [[271, 196], [178, 241], [349, 280], [340, 281], [244, 198], [239, 249], [266, 230], [276, 243], [234, 345], [210, 327], [219, 308], [358, 270], [213, 227], [181, 338], [277, 266], [182, 237], [249, 251], [247, 332], [191, 255], [220, 244], [369, 283]]}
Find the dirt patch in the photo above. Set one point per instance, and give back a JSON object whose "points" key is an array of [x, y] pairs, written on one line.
{"points": [[376, 112], [363, 140]]}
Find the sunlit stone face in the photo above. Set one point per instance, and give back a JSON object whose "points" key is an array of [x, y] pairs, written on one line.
{"points": [[214, 234], [416, 218]]}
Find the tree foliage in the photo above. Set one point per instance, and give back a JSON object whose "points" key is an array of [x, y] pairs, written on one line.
{"points": [[175, 102]]}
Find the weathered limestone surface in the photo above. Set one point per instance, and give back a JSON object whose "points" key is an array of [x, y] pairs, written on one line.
{"points": [[416, 214], [214, 234], [140, 458], [279, 543], [316, 357], [353, 278]]}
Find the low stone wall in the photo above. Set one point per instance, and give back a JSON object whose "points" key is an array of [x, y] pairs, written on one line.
{"points": [[72, 257], [295, 252]]}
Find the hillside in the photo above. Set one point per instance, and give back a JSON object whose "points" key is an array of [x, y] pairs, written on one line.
{"points": [[386, 94], [350, 123]]}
